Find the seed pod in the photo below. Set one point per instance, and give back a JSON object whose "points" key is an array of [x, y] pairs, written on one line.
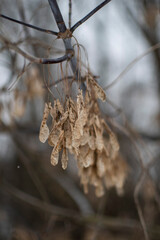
{"points": [[54, 157], [64, 159], [99, 92], [44, 130]]}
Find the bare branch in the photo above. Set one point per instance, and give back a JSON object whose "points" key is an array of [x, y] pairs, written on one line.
{"points": [[67, 41], [92, 219], [32, 173], [130, 65], [140, 213], [89, 15], [57, 15], [60, 80], [70, 13], [57, 60], [70, 187], [35, 202], [29, 25], [31, 58]]}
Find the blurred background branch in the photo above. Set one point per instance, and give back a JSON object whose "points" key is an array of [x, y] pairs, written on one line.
{"points": [[39, 201]]}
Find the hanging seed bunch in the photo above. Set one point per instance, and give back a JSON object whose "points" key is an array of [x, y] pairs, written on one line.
{"points": [[78, 128]]}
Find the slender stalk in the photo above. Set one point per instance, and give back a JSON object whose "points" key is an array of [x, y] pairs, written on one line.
{"points": [[67, 41], [29, 25], [131, 64], [56, 60], [34, 59], [37, 203], [57, 15], [68, 78], [89, 15], [70, 14], [139, 209], [88, 219]]}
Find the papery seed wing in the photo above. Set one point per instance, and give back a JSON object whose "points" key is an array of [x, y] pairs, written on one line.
{"points": [[97, 122], [80, 102], [56, 149], [99, 190], [83, 172], [79, 124], [101, 164], [46, 111], [114, 142], [85, 138], [99, 92], [60, 139], [53, 137], [64, 159], [53, 111], [89, 159], [72, 115], [44, 130], [92, 142], [60, 107], [54, 157], [62, 120], [99, 139]]}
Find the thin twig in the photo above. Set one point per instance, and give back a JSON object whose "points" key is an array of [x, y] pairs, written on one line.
{"points": [[57, 60], [60, 80], [35, 41], [156, 193], [89, 15], [70, 14], [58, 16], [131, 134], [151, 49], [29, 25], [68, 185], [31, 58], [35, 202], [139, 209], [112, 223], [67, 41], [19, 75], [31, 172], [22, 16]]}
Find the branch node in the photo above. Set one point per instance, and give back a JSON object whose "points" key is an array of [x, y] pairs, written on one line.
{"points": [[64, 35], [70, 54]]}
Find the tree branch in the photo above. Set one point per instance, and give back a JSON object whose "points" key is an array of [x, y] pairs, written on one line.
{"points": [[70, 14], [89, 15], [57, 60], [131, 64], [35, 202], [67, 41], [92, 219], [57, 15], [31, 58], [29, 25]]}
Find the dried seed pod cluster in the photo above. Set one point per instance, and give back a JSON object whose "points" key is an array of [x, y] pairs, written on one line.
{"points": [[78, 127]]}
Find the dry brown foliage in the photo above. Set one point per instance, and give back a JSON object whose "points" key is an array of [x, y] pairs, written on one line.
{"points": [[78, 128]]}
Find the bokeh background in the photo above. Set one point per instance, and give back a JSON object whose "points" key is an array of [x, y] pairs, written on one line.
{"points": [[39, 201]]}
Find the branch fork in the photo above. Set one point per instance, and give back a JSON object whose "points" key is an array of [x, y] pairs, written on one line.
{"points": [[64, 35]]}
